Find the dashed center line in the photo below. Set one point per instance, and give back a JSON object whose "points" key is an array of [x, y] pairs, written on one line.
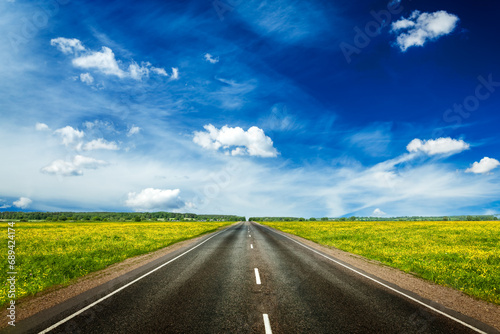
{"points": [[257, 276], [251, 246], [267, 324]]}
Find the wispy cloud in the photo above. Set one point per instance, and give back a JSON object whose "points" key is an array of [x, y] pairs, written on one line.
{"points": [[104, 61], [211, 59]]}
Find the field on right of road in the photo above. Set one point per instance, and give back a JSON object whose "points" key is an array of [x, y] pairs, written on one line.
{"points": [[464, 255]]}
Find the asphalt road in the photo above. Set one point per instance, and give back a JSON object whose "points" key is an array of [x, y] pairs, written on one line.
{"points": [[212, 287]]}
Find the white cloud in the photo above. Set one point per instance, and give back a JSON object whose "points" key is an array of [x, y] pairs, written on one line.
{"points": [[86, 78], [100, 144], [133, 130], [159, 71], [446, 146], [151, 199], [68, 45], [41, 127], [378, 213], [211, 59], [252, 142], [72, 168], [63, 168], [103, 61], [484, 166], [175, 73], [69, 135], [419, 28], [22, 203]]}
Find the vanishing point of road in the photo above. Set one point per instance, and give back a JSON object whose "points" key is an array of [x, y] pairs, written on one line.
{"points": [[248, 278]]}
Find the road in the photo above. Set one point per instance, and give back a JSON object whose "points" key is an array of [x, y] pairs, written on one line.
{"points": [[213, 287]]}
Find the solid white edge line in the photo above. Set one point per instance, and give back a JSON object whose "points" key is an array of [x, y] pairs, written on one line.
{"points": [[267, 324], [257, 276], [57, 324], [384, 285]]}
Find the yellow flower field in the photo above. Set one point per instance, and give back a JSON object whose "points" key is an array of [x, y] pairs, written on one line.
{"points": [[464, 255], [49, 254]]}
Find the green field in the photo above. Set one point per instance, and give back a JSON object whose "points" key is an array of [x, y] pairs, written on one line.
{"points": [[461, 254], [49, 254]]}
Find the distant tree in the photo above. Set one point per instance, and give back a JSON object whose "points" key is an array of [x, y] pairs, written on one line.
{"points": [[137, 218], [312, 219]]}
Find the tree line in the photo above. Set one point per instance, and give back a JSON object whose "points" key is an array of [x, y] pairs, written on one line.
{"points": [[114, 216]]}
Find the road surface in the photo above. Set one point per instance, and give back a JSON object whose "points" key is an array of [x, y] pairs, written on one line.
{"points": [[248, 278]]}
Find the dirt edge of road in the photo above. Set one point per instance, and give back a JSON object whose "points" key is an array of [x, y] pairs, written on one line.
{"points": [[485, 312], [28, 306]]}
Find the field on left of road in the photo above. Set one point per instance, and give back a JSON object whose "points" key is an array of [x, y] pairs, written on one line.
{"points": [[57, 253]]}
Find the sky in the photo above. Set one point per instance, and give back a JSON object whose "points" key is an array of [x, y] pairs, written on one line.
{"points": [[256, 108]]}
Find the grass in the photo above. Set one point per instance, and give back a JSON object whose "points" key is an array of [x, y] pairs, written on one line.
{"points": [[49, 254], [458, 254]]}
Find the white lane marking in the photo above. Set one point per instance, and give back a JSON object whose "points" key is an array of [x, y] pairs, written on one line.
{"points": [[257, 276], [385, 285], [251, 246], [249, 235], [123, 287], [267, 324]]}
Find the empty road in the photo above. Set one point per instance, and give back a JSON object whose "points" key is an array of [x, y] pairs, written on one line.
{"points": [[246, 279]]}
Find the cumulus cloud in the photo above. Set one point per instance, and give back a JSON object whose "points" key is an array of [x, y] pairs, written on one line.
{"points": [[151, 199], [378, 213], [252, 142], [447, 146], [175, 73], [22, 203], [100, 144], [74, 167], [484, 166], [41, 127], [69, 135], [68, 45], [103, 61], [419, 28], [86, 78], [133, 130], [211, 59]]}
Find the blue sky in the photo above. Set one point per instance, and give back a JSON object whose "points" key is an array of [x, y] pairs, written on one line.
{"points": [[288, 108]]}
